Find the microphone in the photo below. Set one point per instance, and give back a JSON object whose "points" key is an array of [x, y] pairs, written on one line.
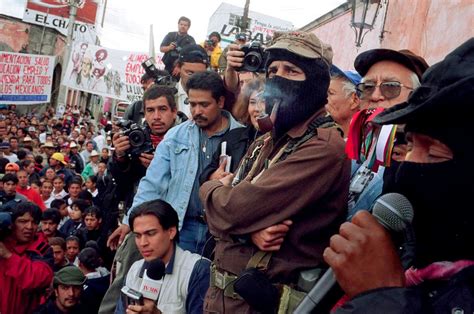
{"points": [[151, 282], [393, 211]]}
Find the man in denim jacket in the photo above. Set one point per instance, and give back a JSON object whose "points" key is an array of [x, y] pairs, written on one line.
{"points": [[184, 153]]}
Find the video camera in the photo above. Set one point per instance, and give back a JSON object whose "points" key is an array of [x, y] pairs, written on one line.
{"points": [[254, 57], [161, 77], [139, 138]]}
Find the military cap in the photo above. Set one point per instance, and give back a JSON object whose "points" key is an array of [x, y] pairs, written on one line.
{"points": [[70, 276]]}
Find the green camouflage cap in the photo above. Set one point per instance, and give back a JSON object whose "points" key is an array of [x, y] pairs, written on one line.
{"points": [[69, 275], [303, 44]]}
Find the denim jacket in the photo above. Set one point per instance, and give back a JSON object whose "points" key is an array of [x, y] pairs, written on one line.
{"points": [[171, 174]]}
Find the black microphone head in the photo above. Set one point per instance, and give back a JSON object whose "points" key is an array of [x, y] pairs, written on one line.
{"points": [[394, 211], [155, 269]]}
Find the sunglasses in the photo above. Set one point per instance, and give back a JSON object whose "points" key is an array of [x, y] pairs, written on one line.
{"points": [[389, 90]]}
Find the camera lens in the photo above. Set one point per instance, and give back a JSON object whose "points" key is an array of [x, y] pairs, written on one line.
{"points": [[136, 138], [252, 61]]}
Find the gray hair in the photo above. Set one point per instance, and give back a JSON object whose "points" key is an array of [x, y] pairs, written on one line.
{"points": [[347, 86], [415, 81]]}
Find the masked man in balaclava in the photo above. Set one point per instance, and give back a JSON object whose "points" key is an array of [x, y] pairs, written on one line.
{"points": [[274, 218]]}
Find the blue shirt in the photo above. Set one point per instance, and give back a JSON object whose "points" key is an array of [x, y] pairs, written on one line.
{"points": [[208, 146], [173, 171]]}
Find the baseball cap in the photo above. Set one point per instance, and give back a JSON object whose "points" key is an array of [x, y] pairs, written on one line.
{"points": [[405, 57], [27, 139], [303, 44], [94, 153], [72, 145], [11, 166], [4, 145], [69, 275], [194, 54], [59, 157], [351, 76], [31, 129]]}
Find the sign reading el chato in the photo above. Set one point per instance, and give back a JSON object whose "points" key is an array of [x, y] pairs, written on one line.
{"points": [[55, 14]]}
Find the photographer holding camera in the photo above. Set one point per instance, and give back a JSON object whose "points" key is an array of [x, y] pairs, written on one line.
{"points": [[173, 43], [213, 49], [26, 259], [129, 163], [134, 145]]}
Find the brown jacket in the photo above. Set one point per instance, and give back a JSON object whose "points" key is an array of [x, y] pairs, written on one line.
{"points": [[310, 187]]}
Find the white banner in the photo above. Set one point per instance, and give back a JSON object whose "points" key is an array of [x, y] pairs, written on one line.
{"points": [[25, 79], [106, 72]]}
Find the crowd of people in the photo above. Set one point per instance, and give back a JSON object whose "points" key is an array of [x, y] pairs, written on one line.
{"points": [[246, 187]]}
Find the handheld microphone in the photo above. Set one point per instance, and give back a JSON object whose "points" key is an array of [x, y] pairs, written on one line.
{"points": [[393, 211], [151, 282]]}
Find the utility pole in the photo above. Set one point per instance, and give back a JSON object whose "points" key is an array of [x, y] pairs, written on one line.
{"points": [[73, 5], [244, 24]]}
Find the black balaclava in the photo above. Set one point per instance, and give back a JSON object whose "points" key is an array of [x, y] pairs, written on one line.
{"points": [[298, 100], [441, 195]]}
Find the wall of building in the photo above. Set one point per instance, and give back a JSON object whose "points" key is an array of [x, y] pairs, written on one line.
{"points": [[430, 28], [14, 35]]}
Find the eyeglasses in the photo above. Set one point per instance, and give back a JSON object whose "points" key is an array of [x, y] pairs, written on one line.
{"points": [[389, 90]]}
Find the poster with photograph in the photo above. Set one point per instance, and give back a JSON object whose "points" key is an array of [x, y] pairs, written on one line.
{"points": [[106, 72]]}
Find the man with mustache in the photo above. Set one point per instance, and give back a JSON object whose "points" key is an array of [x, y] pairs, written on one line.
{"points": [[186, 150], [68, 287], [293, 180], [173, 174]]}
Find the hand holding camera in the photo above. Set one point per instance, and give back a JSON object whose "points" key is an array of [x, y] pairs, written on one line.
{"points": [[137, 141], [172, 46], [248, 58], [121, 144], [254, 57], [235, 57]]}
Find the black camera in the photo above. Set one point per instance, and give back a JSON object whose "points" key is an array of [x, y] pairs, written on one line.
{"points": [[139, 138], [161, 77], [254, 57]]}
